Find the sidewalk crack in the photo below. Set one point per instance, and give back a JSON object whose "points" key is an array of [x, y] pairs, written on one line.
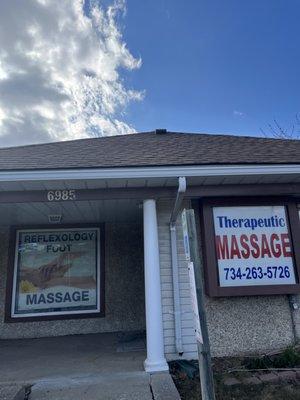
{"points": [[151, 390]]}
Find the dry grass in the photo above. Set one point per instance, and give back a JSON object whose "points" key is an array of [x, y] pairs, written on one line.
{"points": [[189, 389]]}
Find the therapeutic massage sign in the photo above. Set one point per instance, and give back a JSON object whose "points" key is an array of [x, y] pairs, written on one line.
{"points": [[253, 246], [56, 272]]}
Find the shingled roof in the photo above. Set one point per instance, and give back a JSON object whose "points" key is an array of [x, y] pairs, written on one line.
{"points": [[151, 149]]}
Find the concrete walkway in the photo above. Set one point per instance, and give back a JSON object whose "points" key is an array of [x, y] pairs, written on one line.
{"points": [[92, 367], [125, 386]]}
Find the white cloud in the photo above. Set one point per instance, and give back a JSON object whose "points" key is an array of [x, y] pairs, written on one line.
{"points": [[59, 71], [238, 113]]}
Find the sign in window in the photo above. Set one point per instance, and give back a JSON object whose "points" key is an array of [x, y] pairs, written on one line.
{"points": [[56, 272]]}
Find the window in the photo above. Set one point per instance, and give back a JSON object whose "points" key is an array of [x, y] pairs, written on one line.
{"points": [[56, 272]]}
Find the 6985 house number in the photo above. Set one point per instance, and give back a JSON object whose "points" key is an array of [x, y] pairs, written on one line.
{"points": [[61, 195]]}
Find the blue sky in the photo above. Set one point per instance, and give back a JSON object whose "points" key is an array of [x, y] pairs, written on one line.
{"points": [[213, 66], [81, 68]]}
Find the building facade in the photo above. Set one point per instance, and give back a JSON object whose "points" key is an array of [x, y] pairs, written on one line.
{"points": [[92, 240]]}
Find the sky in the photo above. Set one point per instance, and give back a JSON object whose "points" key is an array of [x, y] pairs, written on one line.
{"points": [[78, 68]]}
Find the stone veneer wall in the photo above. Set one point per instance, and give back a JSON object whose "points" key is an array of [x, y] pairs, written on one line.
{"points": [[124, 289], [236, 325]]}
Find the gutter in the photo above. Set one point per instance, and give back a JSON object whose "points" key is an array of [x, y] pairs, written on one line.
{"points": [[150, 172], [174, 260]]}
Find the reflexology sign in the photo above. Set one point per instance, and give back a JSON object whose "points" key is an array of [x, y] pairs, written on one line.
{"points": [[56, 272], [251, 248]]}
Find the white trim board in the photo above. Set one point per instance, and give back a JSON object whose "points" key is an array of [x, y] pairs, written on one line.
{"points": [[150, 172]]}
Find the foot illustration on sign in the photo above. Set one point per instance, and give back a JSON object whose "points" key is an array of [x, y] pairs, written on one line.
{"points": [[52, 274]]}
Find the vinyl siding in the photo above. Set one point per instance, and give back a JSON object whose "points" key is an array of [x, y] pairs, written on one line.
{"points": [[187, 326]]}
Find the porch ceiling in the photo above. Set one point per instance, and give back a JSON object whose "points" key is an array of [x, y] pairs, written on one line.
{"points": [[72, 212]]}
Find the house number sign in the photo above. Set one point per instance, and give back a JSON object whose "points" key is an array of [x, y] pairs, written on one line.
{"points": [[61, 195]]}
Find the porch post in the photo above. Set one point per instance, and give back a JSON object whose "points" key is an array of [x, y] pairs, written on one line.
{"points": [[155, 343]]}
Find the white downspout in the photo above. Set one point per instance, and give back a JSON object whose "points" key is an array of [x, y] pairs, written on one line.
{"points": [[174, 260]]}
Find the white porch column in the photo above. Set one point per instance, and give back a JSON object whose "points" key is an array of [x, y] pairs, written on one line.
{"points": [[155, 342]]}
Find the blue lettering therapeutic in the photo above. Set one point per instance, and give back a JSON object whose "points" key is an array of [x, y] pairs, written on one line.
{"points": [[253, 223]]}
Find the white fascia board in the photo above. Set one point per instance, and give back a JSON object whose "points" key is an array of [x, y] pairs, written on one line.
{"points": [[150, 172]]}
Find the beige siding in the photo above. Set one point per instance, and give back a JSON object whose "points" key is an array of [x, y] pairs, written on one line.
{"points": [[188, 337]]}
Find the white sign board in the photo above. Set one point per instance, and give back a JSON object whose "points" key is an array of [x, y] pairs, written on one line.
{"points": [[56, 272], [253, 246], [194, 302], [185, 236]]}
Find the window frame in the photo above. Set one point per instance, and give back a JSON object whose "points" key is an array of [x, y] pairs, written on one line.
{"points": [[12, 262]]}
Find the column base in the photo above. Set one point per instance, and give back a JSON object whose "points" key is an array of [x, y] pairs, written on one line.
{"points": [[156, 366]]}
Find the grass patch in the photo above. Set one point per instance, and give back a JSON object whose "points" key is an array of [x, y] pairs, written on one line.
{"points": [[289, 358], [189, 389], [189, 385]]}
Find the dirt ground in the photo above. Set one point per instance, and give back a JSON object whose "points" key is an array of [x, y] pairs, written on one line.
{"points": [[189, 386], [189, 389]]}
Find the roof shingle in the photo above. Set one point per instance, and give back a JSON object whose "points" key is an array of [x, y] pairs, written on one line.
{"points": [[151, 149]]}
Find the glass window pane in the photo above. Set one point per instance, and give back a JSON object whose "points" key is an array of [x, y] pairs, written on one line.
{"points": [[56, 272]]}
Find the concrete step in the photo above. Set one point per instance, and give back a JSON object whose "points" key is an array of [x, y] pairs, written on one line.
{"points": [[12, 391], [123, 386], [163, 387], [118, 386]]}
